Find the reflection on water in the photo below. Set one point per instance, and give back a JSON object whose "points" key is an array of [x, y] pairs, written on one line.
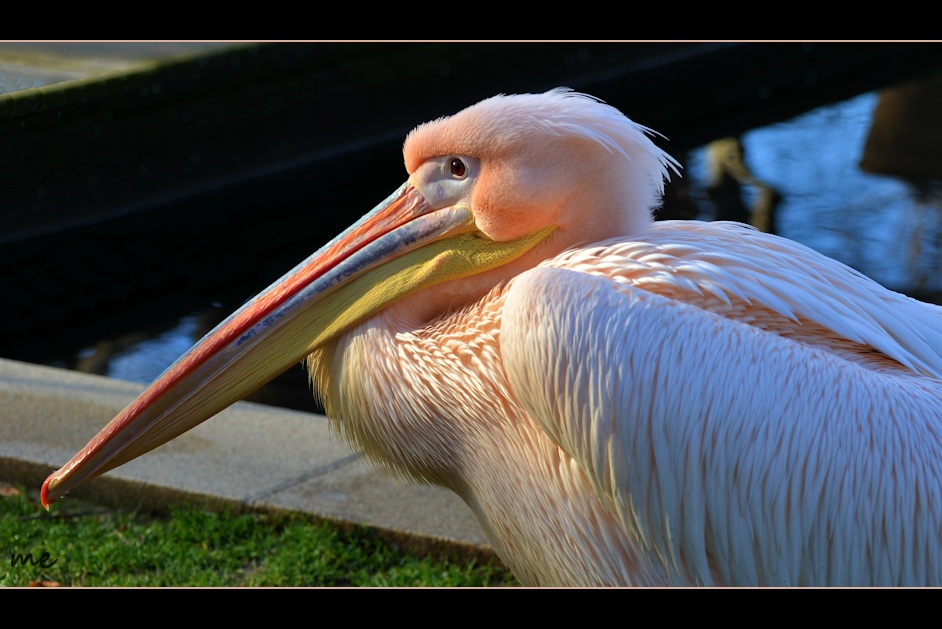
{"points": [[140, 358], [808, 168], [883, 226]]}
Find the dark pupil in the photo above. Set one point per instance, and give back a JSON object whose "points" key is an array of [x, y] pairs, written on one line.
{"points": [[457, 167]]}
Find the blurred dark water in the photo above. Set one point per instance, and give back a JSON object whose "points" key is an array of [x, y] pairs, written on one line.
{"points": [[884, 225], [801, 178]]}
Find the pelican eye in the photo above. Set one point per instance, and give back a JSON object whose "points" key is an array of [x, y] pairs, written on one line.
{"points": [[446, 179], [457, 167]]}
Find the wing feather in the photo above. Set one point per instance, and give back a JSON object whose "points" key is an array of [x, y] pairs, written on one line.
{"points": [[735, 262], [731, 453]]}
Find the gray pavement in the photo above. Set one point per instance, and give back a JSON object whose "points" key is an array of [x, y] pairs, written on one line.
{"points": [[34, 65], [250, 456]]}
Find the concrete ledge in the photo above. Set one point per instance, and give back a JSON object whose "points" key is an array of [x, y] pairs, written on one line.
{"points": [[249, 457]]}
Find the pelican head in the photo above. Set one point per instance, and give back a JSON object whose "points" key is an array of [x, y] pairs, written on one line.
{"points": [[492, 191]]}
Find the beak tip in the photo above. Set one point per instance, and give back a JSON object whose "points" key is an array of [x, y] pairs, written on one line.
{"points": [[44, 495]]}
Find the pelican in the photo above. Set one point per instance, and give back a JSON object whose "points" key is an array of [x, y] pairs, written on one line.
{"points": [[621, 402]]}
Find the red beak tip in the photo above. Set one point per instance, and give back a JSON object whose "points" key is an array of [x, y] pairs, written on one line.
{"points": [[44, 495]]}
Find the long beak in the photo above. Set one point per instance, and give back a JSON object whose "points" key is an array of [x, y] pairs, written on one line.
{"points": [[400, 246]]}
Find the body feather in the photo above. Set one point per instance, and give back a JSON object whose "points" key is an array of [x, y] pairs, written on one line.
{"points": [[731, 429]]}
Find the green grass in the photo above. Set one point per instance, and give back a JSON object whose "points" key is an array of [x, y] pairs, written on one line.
{"points": [[89, 545]]}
